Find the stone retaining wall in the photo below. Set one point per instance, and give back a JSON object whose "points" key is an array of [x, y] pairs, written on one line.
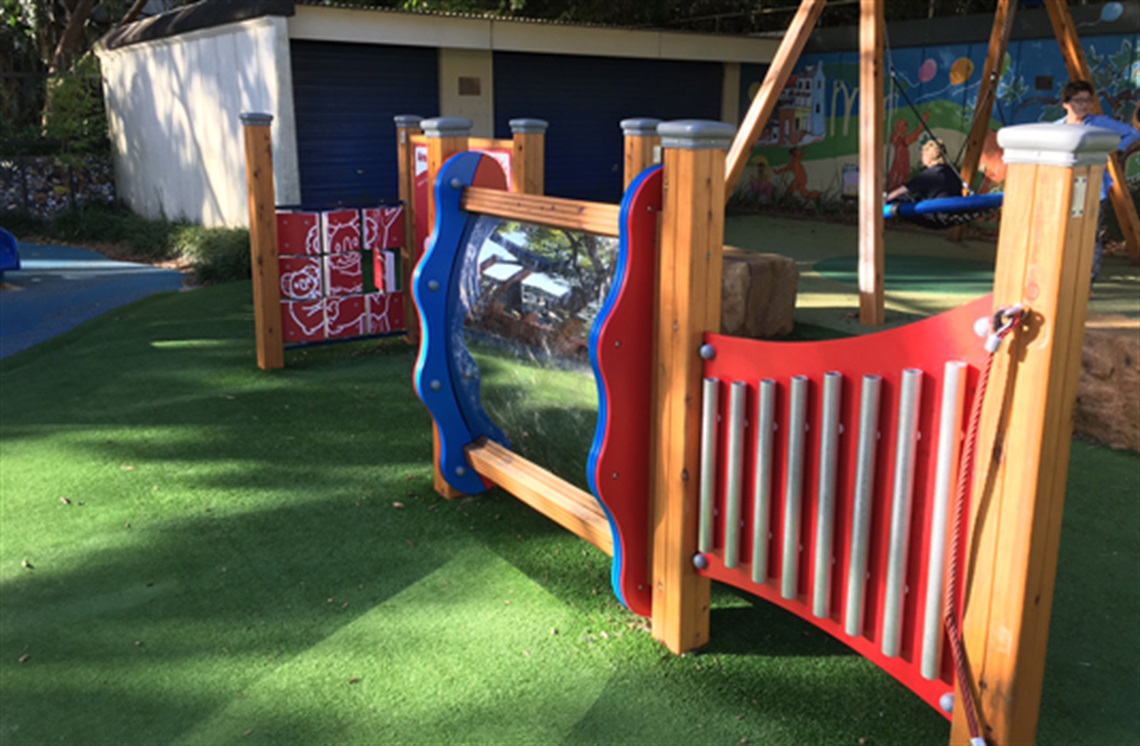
{"points": [[44, 186]]}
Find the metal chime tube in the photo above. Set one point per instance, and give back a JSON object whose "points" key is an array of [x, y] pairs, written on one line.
{"points": [[861, 512], [797, 421], [902, 500], [949, 444], [825, 512], [710, 404], [738, 395], [762, 485]]}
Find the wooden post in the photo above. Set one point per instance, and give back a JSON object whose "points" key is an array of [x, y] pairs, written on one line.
{"points": [[1044, 261], [263, 240], [1078, 68], [871, 28], [528, 159], [765, 100], [688, 305], [642, 147], [446, 136], [406, 126], [991, 71]]}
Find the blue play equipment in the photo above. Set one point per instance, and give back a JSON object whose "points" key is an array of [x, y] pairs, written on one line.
{"points": [[9, 254], [973, 203]]}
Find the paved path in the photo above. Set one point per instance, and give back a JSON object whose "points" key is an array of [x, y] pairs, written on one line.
{"points": [[59, 287]]}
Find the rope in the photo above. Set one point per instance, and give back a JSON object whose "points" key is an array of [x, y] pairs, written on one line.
{"points": [[914, 109], [1004, 321]]}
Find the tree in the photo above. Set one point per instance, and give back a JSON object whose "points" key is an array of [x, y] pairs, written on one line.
{"points": [[49, 80]]}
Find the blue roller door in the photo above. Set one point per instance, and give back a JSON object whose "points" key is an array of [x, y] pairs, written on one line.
{"points": [[345, 97], [585, 98]]}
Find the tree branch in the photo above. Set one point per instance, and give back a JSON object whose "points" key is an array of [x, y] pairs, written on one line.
{"points": [[72, 35]]}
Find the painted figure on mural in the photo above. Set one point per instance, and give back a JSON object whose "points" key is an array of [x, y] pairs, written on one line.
{"points": [[795, 167], [1077, 99], [901, 139], [760, 182]]}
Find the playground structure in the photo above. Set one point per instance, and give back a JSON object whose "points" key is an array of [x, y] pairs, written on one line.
{"points": [[847, 450], [311, 283], [9, 253], [849, 521]]}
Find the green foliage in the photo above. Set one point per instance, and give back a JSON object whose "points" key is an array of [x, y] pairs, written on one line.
{"points": [[74, 114], [215, 254]]}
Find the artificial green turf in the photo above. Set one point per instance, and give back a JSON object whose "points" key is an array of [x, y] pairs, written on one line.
{"points": [[917, 274], [223, 555]]}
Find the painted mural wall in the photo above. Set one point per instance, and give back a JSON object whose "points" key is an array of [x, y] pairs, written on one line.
{"points": [[809, 149]]}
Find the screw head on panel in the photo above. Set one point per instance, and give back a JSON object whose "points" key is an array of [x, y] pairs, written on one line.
{"points": [[708, 352], [433, 284], [946, 702], [460, 471], [456, 184], [700, 561], [435, 385]]}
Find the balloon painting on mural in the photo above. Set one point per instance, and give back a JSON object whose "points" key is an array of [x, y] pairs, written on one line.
{"points": [[927, 71], [961, 71], [1111, 11]]}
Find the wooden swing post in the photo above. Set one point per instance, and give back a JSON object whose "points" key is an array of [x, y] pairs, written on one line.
{"points": [[991, 71], [871, 178], [766, 98]]}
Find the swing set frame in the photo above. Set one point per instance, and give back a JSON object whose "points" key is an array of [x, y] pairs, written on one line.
{"points": [[872, 35]]}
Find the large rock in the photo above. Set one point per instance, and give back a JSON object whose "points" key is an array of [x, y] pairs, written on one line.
{"points": [[758, 294], [1108, 395]]}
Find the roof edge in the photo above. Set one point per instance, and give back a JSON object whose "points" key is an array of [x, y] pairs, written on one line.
{"points": [[201, 15]]}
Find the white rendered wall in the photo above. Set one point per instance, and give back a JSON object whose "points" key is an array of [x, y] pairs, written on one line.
{"points": [[173, 107], [468, 63]]}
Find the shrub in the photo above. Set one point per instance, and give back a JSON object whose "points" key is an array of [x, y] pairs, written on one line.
{"points": [[23, 223], [214, 254]]}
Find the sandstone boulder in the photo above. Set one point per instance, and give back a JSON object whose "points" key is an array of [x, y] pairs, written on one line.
{"points": [[758, 294]]}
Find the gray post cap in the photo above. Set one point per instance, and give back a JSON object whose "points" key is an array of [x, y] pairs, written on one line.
{"points": [[1057, 144], [253, 119], [696, 134], [528, 126], [446, 127], [408, 120], [640, 127]]}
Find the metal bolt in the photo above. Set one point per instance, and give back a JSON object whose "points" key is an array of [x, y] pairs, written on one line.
{"points": [[435, 385], [456, 184], [700, 561], [460, 471], [946, 702], [433, 284], [708, 352]]}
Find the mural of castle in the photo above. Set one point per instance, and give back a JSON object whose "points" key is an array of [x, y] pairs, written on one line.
{"points": [[809, 148]]}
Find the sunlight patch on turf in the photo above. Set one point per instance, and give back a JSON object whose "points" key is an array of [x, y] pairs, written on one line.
{"points": [[474, 652]]}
